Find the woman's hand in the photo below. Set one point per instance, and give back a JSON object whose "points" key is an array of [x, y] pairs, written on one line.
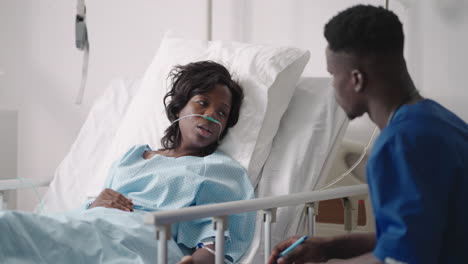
{"points": [[311, 250], [112, 199], [186, 260], [200, 255]]}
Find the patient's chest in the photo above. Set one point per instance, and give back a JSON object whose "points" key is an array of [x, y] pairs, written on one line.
{"points": [[159, 183]]}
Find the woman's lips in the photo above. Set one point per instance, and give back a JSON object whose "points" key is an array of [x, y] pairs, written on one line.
{"points": [[204, 130]]}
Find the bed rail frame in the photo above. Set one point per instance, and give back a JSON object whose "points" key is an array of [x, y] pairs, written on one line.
{"points": [[220, 212]]}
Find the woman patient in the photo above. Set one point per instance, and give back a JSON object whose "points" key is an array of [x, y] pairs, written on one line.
{"points": [[202, 104]]}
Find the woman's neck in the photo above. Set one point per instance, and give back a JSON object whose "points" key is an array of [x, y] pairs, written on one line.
{"points": [[178, 152]]}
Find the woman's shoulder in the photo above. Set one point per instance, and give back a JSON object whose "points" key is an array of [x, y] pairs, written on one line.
{"points": [[227, 174], [135, 152], [219, 157], [222, 162]]}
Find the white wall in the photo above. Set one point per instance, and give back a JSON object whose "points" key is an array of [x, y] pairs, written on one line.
{"points": [[439, 52], [292, 23], [281, 22], [8, 149], [8, 143], [43, 67], [436, 33]]}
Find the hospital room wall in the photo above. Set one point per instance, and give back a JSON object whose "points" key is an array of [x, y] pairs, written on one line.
{"points": [[42, 66], [436, 37], [292, 23], [439, 52], [436, 34]]}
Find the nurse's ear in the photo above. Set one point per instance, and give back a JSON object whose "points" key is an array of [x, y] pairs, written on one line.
{"points": [[358, 80]]}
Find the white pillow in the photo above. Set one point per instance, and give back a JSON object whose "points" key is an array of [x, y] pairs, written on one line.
{"points": [[268, 76], [311, 128]]}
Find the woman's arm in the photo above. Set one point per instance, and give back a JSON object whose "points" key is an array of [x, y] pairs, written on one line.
{"points": [[202, 256]]}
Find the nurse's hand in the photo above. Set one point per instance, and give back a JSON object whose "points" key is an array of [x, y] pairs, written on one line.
{"points": [[112, 199], [311, 250]]}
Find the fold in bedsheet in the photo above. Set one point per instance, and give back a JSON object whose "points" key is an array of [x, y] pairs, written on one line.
{"points": [[99, 235]]}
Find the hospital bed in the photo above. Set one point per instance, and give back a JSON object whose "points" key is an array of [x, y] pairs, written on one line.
{"points": [[287, 172]]}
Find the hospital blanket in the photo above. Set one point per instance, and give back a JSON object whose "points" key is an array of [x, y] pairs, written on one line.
{"points": [[101, 235]]}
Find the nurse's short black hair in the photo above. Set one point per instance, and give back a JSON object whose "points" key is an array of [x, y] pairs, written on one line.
{"points": [[190, 80], [365, 30]]}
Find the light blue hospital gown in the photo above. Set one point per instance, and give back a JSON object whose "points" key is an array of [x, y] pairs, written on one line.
{"points": [[102, 235]]}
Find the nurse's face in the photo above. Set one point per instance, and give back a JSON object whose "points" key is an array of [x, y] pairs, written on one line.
{"points": [[339, 65], [197, 132]]}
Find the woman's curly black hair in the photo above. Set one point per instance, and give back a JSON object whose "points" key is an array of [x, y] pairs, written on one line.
{"points": [[365, 30], [190, 80]]}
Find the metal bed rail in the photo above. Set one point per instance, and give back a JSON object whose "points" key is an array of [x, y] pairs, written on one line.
{"points": [[19, 183], [220, 212]]}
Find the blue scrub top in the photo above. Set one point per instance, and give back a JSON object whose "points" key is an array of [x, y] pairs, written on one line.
{"points": [[418, 181]]}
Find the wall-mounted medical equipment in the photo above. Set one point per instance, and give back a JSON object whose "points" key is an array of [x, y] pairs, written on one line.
{"points": [[82, 43]]}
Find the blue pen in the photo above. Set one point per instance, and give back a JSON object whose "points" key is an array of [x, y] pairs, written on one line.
{"points": [[293, 246]]}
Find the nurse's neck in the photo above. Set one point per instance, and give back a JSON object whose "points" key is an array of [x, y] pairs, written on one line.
{"points": [[388, 95]]}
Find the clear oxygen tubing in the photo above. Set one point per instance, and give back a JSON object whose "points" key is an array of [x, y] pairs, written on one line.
{"points": [[209, 118], [346, 173]]}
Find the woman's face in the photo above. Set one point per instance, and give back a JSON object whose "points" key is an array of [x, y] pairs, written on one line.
{"points": [[197, 132]]}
